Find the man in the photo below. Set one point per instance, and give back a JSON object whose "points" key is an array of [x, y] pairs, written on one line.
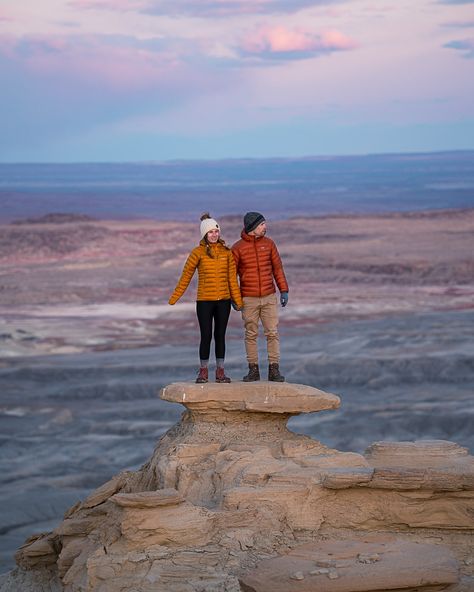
{"points": [[259, 267]]}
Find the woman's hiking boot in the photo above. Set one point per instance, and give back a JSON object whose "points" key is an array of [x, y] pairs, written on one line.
{"points": [[274, 373], [220, 375], [253, 374], [203, 375]]}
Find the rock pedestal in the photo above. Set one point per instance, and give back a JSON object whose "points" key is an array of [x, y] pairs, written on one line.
{"points": [[232, 500], [275, 398]]}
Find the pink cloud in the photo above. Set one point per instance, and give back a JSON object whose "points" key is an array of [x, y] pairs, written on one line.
{"points": [[284, 43], [336, 41], [4, 17], [119, 64], [93, 67]]}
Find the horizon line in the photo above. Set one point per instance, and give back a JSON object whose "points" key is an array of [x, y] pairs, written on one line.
{"points": [[245, 158]]}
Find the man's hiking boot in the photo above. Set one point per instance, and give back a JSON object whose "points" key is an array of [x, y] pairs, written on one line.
{"points": [[274, 373], [202, 375], [253, 374], [220, 375]]}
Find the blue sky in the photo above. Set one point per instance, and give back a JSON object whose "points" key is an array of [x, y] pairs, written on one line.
{"points": [[126, 80]]}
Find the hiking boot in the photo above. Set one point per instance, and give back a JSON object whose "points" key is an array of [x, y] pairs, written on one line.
{"points": [[220, 375], [202, 375], [253, 373], [274, 373]]}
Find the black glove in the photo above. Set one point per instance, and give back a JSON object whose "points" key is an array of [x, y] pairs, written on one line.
{"points": [[284, 299]]}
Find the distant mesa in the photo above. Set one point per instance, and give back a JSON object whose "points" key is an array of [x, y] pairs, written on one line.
{"points": [[56, 218], [49, 236]]}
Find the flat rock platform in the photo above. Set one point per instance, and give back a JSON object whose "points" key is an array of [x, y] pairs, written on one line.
{"points": [[259, 397]]}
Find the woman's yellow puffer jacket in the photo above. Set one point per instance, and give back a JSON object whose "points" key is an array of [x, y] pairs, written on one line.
{"points": [[217, 274]]}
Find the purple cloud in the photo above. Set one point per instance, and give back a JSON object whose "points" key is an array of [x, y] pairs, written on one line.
{"points": [[204, 8], [466, 46], [115, 5], [459, 25]]}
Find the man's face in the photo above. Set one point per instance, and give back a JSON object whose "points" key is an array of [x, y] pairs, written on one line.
{"points": [[261, 229]]}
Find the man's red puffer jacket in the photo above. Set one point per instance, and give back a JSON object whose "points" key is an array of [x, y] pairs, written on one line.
{"points": [[258, 264]]}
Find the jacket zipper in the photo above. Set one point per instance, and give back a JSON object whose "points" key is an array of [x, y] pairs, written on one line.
{"points": [[258, 268], [216, 272]]}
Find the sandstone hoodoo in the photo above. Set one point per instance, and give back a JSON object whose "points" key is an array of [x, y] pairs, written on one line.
{"points": [[232, 500]]}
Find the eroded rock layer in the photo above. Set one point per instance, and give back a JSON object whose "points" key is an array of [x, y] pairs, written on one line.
{"points": [[232, 500]]}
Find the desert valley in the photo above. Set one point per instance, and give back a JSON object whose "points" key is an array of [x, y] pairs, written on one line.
{"points": [[380, 313]]}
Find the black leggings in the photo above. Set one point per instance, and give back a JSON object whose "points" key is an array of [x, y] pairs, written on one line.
{"points": [[207, 311]]}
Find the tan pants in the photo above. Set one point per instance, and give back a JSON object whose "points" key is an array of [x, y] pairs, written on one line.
{"points": [[266, 310]]}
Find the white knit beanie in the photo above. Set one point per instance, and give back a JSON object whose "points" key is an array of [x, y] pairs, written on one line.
{"points": [[208, 224]]}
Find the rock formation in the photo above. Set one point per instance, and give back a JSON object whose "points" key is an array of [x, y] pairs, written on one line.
{"points": [[231, 501]]}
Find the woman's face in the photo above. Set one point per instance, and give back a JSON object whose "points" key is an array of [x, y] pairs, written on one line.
{"points": [[213, 235]]}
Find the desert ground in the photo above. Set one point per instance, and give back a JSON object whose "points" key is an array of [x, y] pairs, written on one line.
{"points": [[91, 286], [380, 313]]}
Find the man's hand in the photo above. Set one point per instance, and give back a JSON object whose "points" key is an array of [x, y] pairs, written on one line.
{"points": [[234, 306], [284, 299]]}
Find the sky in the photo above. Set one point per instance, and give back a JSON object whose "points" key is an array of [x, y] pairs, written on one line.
{"points": [[157, 80]]}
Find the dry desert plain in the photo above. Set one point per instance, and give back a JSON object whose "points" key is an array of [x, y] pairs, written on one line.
{"points": [[380, 313], [102, 285]]}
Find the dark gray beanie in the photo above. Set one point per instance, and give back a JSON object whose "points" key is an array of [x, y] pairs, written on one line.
{"points": [[252, 220]]}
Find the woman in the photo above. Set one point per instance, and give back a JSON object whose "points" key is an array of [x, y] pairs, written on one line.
{"points": [[217, 286]]}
